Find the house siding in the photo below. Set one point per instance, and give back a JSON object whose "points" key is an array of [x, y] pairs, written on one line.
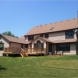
{"points": [[72, 49], [54, 37], [75, 36], [16, 45], [35, 36], [26, 38], [57, 36], [71, 52], [6, 44]]}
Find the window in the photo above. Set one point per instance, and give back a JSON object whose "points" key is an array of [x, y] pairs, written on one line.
{"points": [[63, 47], [77, 33], [50, 47], [46, 35], [69, 34], [30, 38], [1, 46], [41, 35], [26, 45], [38, 45], [21, 45]]}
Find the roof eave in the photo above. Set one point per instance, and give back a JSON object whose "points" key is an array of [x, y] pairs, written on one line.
{"points": [[49, 32]]}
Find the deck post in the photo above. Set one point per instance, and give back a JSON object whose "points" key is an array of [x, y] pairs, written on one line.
{"points": [[41, 51]]}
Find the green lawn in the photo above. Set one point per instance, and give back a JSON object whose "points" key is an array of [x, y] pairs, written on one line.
{"points": [[39, 67]]}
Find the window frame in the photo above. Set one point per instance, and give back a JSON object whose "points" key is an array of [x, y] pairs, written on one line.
{"points": [[21, 45], [39, 45], [31, 37], [69, 34], [41, 35], [46, 35], [1, 48], [63, 47]]}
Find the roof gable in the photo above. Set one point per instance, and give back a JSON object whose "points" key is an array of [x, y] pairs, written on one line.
{"points": [[44, 39], [14, 39]]}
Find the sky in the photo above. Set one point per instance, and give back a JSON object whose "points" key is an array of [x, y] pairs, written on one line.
{"points": [[19, 16]]}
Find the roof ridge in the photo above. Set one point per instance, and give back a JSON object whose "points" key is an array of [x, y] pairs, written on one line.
{"points": [[55, 22], [9, 36]]}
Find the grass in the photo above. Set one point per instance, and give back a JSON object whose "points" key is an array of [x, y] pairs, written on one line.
{"points": [[39, 67]]}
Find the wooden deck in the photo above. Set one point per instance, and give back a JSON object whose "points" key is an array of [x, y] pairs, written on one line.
{"points": [[12, 50], [24, 52]]}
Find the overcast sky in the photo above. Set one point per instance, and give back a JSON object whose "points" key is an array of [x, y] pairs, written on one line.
{"points": [[20, 16]]}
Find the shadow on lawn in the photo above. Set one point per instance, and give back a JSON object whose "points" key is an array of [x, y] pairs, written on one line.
{"points": [[2, 68]]}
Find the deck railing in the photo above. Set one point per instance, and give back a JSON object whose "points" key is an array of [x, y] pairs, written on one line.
{"points": [[12, 50], [34, 50], [26, 50]]}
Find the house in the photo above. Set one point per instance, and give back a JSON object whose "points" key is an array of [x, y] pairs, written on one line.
{"points": [[54, 38], [58, 37], [14, 43]]}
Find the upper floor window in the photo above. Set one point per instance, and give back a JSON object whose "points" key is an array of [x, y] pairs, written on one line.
{"points": [[30, 37], [41, 35], [46, 35], [69, 34]]}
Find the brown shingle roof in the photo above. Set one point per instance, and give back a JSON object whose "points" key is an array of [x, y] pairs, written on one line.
{"points": [[22, 37], [47, 40], [14, 39], [57, 26]]}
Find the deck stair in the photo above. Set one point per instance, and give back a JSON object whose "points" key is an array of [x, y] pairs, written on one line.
{"points": [[23, 53]]}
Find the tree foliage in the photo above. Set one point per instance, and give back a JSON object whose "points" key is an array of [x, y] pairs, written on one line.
{"points": [[9, 34]]}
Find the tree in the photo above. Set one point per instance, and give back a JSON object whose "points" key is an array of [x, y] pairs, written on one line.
{"points": [[9, 34]]}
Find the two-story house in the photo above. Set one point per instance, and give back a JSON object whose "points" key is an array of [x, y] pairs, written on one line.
{"points": [[54, 37]]}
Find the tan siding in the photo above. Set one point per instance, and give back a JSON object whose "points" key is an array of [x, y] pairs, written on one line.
{"points": [[26, 38], [72, 49], [16, 45], [57, 36], [75, 36], [35, 36], [6, 45]]}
